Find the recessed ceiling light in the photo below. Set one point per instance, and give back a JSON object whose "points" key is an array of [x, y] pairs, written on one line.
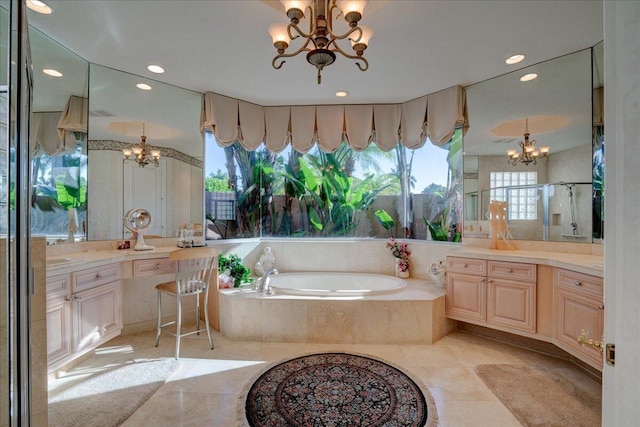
{"points": [[155, 69], [143, 86], [514, 59], [51, 72], [342, 93], [38, 6], [528, 77]]}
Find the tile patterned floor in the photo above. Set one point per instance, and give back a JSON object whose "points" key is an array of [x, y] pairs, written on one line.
{"points": [[206, 389]]}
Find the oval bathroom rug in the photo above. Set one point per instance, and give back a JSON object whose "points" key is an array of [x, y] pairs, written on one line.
{"points": [[337, 389]]}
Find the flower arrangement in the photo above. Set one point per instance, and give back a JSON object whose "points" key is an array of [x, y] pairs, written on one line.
{"points": [[400, 251]]}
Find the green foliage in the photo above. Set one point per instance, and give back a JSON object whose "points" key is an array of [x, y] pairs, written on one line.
{"points": [[437, 189], [440, 230], [385, 220], [233, 263], [218, 183], [71, 196], [335, 201]]}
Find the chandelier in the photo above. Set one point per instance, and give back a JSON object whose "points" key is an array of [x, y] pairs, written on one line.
{"points": [[142, 153], [320, 42], [528, 153]]}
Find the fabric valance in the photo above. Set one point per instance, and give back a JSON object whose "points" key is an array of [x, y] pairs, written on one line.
{"points": [[53, 133], [434, 116]]}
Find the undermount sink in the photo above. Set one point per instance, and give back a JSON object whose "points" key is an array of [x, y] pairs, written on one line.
{"points": [[58, 261]]}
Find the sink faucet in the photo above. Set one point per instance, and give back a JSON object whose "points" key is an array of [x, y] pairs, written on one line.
{"points": [[263, 284]]}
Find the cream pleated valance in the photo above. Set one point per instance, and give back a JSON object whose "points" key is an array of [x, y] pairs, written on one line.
{"points": [[434, 116], [53, 133]]}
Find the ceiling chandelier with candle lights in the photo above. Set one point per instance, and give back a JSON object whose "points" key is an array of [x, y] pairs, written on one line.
{"points": [[320, 42], [142, 153], [528, 152]]}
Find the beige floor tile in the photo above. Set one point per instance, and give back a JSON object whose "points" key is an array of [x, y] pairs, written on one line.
{"points": [[453, 384], [474, 414], [176, 408], [439, 355], [209, 386]]}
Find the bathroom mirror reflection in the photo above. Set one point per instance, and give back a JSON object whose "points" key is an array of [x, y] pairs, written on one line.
{"points": [[58, 140], [82, 187], [120, 114], [551, 198]]}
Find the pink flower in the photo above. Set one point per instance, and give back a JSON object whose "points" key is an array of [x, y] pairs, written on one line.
{"points": [[401, 251]]}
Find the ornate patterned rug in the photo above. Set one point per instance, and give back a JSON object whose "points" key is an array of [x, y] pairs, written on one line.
{"points": [[337, 389]]}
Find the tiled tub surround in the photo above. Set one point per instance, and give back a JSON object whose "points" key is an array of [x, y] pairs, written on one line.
{"points": [[414, 315]]}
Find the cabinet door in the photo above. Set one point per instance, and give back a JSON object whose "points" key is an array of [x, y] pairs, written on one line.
{"points": [[59, 343], [466, 297], [511, 303], [97, 315], [576, 312]]}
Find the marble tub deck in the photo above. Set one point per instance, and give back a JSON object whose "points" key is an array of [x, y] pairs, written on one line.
{"points": [[415, 315]]}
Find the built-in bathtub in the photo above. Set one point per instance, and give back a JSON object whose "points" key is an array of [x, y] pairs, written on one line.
{"points": [[410, 311], [332, 284]]}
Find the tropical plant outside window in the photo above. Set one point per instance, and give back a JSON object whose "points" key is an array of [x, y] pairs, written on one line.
{"points": [[318, 194], [59, 183]]}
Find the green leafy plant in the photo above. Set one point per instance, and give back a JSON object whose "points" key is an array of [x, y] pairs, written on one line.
{"points": [[385, 220], [440, 229], [234, 265]]}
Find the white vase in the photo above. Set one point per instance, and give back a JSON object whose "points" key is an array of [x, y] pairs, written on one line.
{"points": [[268, 259], [439, 279], [399, 273]]}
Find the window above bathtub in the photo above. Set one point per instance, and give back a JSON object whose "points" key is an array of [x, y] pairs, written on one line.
{"points": [[316, 194]]}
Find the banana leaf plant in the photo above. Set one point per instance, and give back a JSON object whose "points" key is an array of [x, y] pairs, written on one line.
{"points": [[335, 202], [385, 220]]}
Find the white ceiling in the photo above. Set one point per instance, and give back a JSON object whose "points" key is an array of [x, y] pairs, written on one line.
{"points": [[419, 47]]}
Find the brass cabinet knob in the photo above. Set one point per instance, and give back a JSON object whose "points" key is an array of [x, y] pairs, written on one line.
{"points": [[601, 306], [578, 283]]}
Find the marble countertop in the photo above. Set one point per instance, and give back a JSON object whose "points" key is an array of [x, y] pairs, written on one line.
{"points": [[581, 263], [74, 261]]}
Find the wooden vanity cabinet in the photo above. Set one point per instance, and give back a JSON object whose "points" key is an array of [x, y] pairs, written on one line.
{"points": [[83, 311], [492, 293], [59, 321], [579, 305], [511, 295], [466, 289]]}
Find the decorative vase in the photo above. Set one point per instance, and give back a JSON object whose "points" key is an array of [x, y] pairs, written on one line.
{"points": [[399, 273], [438, 278], [268, 259]]}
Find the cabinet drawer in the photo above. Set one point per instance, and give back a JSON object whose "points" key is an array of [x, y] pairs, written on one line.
{"points": [[92, 277], [467, 265], [151, 267], [580, 282], [58, 286], [512, 270]]}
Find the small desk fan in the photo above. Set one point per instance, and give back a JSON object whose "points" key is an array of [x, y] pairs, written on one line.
{"points": [[138, 221]]}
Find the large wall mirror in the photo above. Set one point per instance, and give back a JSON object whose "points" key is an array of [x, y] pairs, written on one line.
{"points": [[58, 138], [120, 114], [80, 175], [551, 198]]}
